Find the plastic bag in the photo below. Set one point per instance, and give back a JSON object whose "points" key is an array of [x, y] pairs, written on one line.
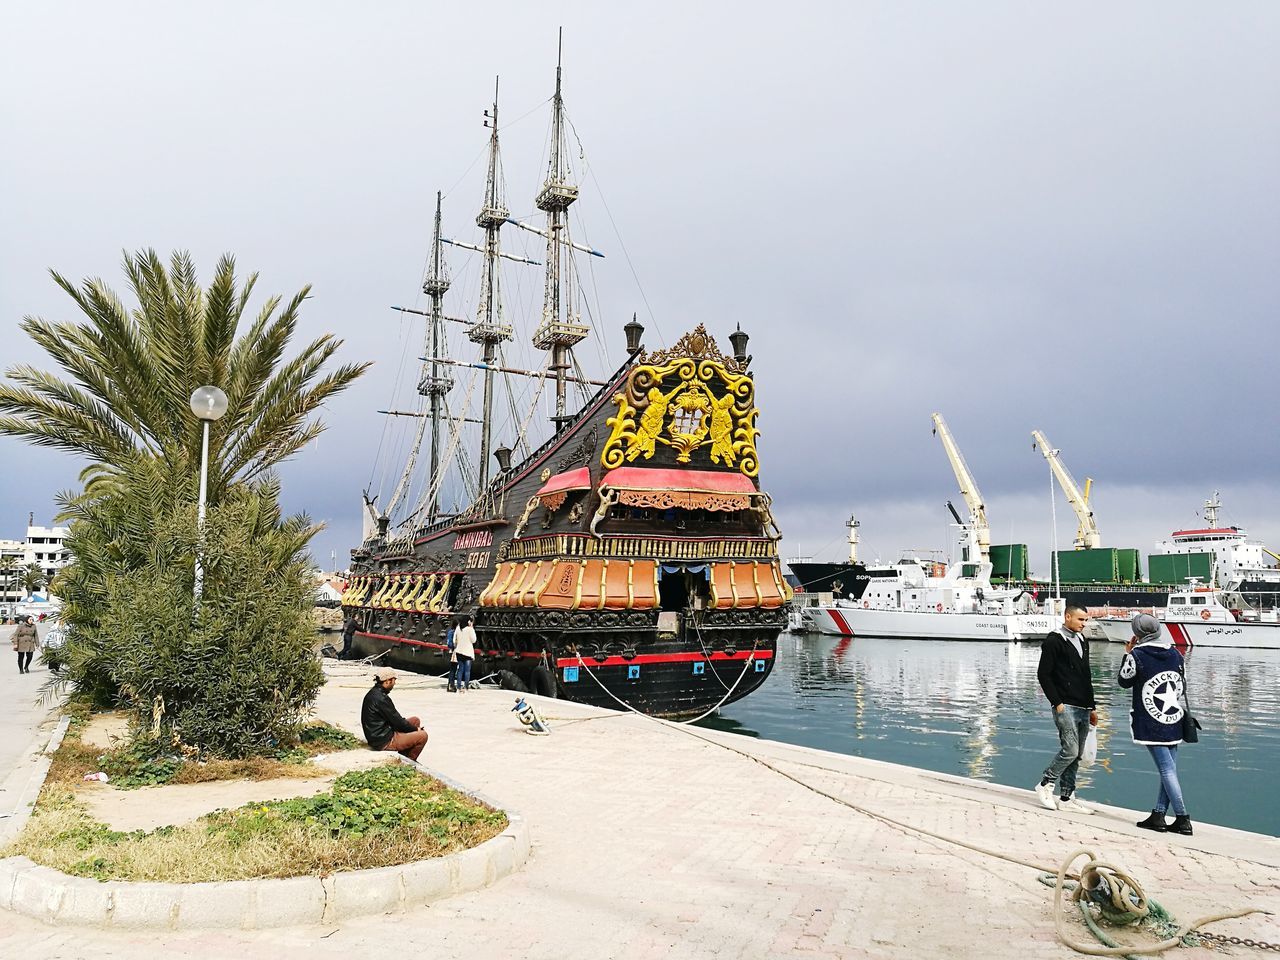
{"points": [[1090, 752]]}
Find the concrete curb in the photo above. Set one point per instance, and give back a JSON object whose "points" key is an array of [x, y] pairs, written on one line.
{"points": [[58, 898], [41, 760]]}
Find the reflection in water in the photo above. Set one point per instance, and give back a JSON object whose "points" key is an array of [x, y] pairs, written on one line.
{"points": [[976, 709]]}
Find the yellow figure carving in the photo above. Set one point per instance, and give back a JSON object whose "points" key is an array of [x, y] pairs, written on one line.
{"points": [[722, 430], [651, 422], [700, 416]]}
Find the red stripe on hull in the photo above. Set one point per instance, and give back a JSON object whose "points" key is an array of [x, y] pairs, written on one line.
{"points": [[840, 622], [1181, 642], [591, 661], [639, 658]]}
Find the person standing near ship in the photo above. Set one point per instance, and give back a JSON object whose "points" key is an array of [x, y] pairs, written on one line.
{"points": [[464, 648], [1066, 680], [348, 635], [1155, 671]]}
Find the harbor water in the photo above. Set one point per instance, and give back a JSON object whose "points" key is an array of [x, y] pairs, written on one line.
{"points": [[976, 710]]}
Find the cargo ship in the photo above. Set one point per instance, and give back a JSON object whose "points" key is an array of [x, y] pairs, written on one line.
{"points": [[630, 559]]}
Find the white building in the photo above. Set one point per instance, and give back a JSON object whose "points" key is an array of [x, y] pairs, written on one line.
{"points": [[45, 547]]}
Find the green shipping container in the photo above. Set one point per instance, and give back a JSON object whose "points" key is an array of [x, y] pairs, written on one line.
{"points": [[1088, 566], [1130, 564], [1178, 567], [1009, 561]]}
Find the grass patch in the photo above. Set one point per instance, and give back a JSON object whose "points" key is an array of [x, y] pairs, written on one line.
{"points": [[146, 763], [371, 818]]}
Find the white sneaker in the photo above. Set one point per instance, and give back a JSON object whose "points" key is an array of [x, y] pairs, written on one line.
{"points": [[1075, 806], [1044, 793]]}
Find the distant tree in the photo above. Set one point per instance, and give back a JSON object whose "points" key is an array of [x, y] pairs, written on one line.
{"points": [[8, 566], [32, 578]]}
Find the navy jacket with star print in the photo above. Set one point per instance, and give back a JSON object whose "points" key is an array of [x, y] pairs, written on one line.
{"points": [[1155, 674]]}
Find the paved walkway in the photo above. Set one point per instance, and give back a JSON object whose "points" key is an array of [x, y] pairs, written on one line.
{"points": [[651, 843], [21, 717]]}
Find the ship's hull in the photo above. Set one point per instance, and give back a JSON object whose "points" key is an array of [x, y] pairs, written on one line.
{"points": [[639, 572], [672, 677], [843, 580], [857, 621], [1188, 635], [1137, 596]]}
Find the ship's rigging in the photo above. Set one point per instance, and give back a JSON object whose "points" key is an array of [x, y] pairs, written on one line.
{"points": [[441, 414]]}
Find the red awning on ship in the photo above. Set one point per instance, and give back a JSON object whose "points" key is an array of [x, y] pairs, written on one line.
{"points": [[689, 489], [554, 491], [579, 479]]}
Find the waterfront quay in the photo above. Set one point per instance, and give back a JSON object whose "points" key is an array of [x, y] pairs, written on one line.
{"points": [[653, 841]]}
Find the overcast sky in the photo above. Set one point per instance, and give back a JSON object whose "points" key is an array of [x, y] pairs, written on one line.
{"points": [[1065, 219]]}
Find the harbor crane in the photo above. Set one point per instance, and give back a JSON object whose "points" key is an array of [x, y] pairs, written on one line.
{"points": [[980, 531], [1087, 536]]}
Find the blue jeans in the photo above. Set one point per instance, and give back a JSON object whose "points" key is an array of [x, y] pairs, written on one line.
{"points": [[464, 671], [1073, 729], [1166, 759]]}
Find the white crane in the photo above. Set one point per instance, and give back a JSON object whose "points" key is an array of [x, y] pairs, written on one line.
{"points": [[979, 530], [1087, 536]]}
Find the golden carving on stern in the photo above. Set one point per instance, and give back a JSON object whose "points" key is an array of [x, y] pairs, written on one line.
{"points": [[688, 397]]}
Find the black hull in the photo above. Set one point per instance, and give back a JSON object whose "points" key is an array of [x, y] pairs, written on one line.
{"points": [[731, 655], [844, 580], [1102, 594]]}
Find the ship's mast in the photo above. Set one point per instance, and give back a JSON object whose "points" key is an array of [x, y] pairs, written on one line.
{"points": [[489, 329], [1211, 508], [560, 329], [436, 383]]}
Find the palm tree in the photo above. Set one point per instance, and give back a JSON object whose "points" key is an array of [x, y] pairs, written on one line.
{"points": [[32, 578], [132, 371], [7, 567]]}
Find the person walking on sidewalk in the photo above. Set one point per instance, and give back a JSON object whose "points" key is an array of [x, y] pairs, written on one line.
{"points": [[25, 640], [464, 648], [1156, 674], [383, 726], [1066, 680]]}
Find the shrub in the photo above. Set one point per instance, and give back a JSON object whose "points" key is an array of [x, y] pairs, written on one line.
{"points": [[228, 677]]}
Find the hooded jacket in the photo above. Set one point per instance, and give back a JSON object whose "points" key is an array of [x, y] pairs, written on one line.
{"points": [[1155, 673], [1064, 674]]}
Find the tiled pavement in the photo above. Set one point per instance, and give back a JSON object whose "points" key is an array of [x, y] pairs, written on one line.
{"points": [[649, 842]]}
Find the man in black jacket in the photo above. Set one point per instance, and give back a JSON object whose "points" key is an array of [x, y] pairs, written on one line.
{"points": [[384, 728], [348, 634], [1065, 679]]}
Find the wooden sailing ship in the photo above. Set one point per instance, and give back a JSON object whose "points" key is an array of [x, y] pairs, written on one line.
{"points": [[630, 561]]}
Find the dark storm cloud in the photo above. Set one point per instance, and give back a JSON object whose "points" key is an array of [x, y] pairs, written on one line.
{"points": [[1020, 217]]}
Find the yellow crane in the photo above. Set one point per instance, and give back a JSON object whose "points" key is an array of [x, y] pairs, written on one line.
{"points": [[980, 531], [1087, 536]]}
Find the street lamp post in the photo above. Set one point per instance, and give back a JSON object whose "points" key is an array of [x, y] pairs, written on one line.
{"points": [[209, 404]]}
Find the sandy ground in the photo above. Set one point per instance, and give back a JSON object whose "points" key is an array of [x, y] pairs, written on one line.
{"points": [[106, 730], [173, 804]]}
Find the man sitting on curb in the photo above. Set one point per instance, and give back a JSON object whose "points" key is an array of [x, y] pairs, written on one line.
{"points": [[384, 728]]}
